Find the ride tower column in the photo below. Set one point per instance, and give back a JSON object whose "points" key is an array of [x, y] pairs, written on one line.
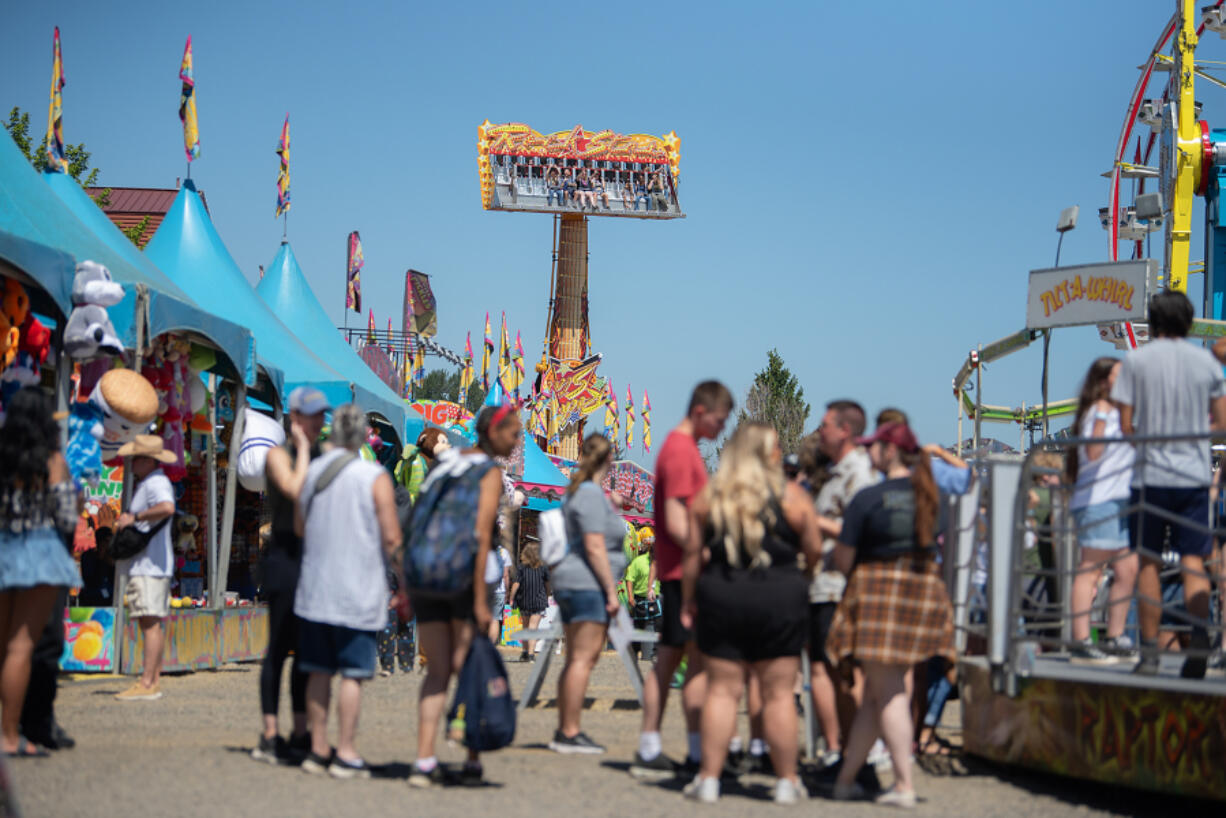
{"points": [[568, 315]]}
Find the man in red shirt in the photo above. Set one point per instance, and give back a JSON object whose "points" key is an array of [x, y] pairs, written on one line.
{"points": [[680, 475]]}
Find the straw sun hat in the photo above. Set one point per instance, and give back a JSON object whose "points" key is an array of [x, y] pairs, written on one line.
{"points": [[147, 446]]}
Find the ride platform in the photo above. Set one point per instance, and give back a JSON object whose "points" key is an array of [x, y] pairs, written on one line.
{"points": [[1161, 733]]}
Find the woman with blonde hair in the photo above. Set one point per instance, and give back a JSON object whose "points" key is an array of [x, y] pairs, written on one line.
{"points": [[743, 590], [585, 587]]}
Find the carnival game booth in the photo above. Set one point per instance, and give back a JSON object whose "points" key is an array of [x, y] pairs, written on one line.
{"points": [[184, 346], [225, 625], [150, 309]]}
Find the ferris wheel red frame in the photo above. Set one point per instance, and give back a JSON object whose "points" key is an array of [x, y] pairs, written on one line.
{"points": [[1130, 120]]}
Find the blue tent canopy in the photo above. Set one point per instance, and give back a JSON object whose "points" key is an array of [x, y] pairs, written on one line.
{"points": [[286, 292], [34, 229], [538, 468], [187, 248], [170, 309]]}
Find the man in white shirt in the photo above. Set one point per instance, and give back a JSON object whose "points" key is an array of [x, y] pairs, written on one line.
{"points": [[850, 470], [147, 593]]}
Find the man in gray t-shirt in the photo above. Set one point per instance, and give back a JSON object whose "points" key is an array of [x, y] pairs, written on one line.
{"points": [[1171, 387]]}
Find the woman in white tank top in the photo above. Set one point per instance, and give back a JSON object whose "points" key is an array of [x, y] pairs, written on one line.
{"points": [[1102, 474]]}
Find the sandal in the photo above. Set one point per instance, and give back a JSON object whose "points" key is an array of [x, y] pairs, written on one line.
{"points": [[936, 746], [23, 750]]}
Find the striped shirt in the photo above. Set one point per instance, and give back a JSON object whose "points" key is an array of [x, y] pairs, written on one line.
{"points": [[532, 596]]}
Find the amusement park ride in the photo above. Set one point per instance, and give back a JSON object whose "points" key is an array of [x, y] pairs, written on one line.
{"points": [[563, 174], [1025, 700], [1191, 163]]}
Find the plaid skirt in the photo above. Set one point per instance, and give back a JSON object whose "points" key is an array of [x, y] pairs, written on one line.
{"points": [[895, 612]]}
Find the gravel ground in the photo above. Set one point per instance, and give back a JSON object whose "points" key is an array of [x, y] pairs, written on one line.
{"points": [[187, 755]]}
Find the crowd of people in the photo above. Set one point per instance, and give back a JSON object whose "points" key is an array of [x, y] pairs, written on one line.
{"points": [[833, 552], [585, 188]]}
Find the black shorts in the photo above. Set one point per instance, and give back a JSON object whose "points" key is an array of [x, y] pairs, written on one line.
{"points": [[672, 634], [752, 619], [821, 614], [431, 606], [1147, 526]]}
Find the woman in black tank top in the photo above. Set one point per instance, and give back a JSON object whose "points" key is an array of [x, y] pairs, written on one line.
{"points": [[285, 471], [748, 600]]}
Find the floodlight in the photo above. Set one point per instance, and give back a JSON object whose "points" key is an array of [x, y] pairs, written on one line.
{"points": [[1149, 206], [1199, 106], [1104, 217], [1068, 219]]}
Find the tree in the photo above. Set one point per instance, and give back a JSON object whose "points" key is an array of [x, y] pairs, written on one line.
{"points": [[776, 398], [443, 384], [18, 127]]}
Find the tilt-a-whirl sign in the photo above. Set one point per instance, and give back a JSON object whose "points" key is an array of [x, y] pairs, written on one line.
{"points": [[1090, 294]]}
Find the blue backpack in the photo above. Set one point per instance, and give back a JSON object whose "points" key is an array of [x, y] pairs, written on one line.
{"points": [[482, 715], [441, 536]]}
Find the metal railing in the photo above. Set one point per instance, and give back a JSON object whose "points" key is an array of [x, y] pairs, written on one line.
{"points": [[1021, 601]]}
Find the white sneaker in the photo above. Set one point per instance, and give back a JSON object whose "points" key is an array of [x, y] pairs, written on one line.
{"points": [[894, 798], [788, 791], [702, 790], [879, 756], [830, 758]]}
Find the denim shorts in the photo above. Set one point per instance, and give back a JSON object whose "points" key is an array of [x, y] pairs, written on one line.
{"points": [[581, 606], [332, 649], [1103, 525]]}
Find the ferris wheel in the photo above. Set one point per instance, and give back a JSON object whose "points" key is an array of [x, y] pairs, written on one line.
{"points": [[1165, 116]]}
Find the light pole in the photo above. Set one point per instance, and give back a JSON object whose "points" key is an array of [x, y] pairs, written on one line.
{"points": [[1066, 222]]}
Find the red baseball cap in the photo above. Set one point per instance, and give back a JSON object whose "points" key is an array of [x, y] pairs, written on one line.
{"points": [[899, 434]]}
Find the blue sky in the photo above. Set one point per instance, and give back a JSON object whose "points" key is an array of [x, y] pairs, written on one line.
{"points": [[866, 185]]}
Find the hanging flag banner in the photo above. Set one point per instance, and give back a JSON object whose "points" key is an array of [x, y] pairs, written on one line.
{"points": [[646, 423], [612, 426], [519, 363], [283, 173], [504, 359], [420, 308], [419, 367], [370, 328], [187, 104], [391, 349], [629, 418], [466, 370], [56, 160], [486, 353], [353, 279]]}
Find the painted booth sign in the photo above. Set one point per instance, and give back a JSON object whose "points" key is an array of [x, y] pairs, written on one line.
{"points": [[1089, 294], [635, 484], [203, 638], [442, 413], [1138, 737], [109, 486], [89, 638], [381, 365]]}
